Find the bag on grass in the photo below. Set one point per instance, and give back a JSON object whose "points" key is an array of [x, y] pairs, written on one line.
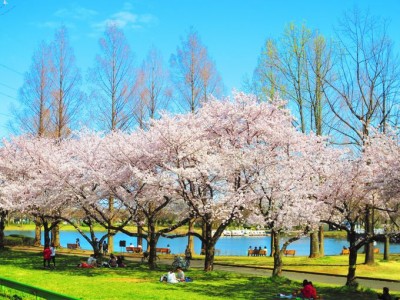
{"points": [[163, 278]]}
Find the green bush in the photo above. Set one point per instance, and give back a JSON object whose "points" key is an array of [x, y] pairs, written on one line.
{"points": [[18, 240]]}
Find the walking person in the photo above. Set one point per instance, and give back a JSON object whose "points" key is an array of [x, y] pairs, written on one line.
{"points": [[105, 247], [188, 256], [53, 254]]}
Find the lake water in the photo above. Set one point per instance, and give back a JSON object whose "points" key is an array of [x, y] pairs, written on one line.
{"points": [[226, 245]]}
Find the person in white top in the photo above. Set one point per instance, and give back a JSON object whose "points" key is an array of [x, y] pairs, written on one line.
{"points": [[171, 277], [53, 254], [92, 261]]}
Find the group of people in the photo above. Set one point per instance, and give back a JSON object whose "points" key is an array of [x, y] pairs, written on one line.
{"points": [[171, 277], [49, 255], [103, 247], [112, 262], [257, 251]]}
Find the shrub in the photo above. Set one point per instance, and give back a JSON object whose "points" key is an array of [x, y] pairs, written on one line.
{"points": [[18, 240]]}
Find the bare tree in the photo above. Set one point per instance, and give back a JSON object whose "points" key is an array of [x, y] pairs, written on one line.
{"points": [[364, 85], [112, 79], [151, 88], [33, 115], [194, 73], [195, 77], [363, 89], [66, 94]]}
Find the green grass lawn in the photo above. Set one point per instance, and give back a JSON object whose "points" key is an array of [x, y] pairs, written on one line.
{"points": [[137, 282]]}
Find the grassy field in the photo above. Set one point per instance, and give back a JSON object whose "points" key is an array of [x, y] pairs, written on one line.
{"points": [[137, 282]]}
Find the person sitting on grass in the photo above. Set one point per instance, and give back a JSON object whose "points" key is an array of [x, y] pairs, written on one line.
{"points": [[84, 265], [385, 294], [180, 276], [113, 261], [92, 261], [171, 277], [120, 261], [308, 291]]}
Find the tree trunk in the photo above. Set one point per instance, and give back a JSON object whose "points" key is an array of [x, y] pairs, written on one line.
{"points": [[351, 274], [46, 234], [152, 243], [3, 216], [369, 231], [110, 241], [321, 240], [272, 245], [55, 235], [314, 245], [191, 237], [277, 271], [386, 250], [203, 235], [110, 235], [139, 237], [93, 241], [38, 232], [209, 248]]}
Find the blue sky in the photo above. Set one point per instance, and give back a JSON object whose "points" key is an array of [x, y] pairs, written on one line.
{"points": [[232, 30]]}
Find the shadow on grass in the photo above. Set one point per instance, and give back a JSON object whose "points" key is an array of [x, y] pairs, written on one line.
{"points": [[68, 264], [269, 288]]}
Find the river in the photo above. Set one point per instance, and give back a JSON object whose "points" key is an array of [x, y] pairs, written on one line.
{"points": [[226, 245]]}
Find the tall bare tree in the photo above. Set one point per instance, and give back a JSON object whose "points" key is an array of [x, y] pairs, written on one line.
{"points": [[66, 81], [363, 89], [365, 83], [113, 77], [33, 116], [196, 78], [151, 88], [194, 73], [151, 94], [66, 97]]}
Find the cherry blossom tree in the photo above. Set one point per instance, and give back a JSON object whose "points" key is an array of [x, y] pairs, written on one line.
{"points": [[285, 188], [218, 154], [142, 185], [353, 187], [381, 156], [24, 162]]}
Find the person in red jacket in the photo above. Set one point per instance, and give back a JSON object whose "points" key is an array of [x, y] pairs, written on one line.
{"points": [[308, 291], [46, 256]]}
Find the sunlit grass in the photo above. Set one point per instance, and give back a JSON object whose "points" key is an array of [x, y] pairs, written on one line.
{"points": [[137, 282]]}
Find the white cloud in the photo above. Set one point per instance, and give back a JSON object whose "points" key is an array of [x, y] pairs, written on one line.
{"points": [[77, 12], [126, 19]]}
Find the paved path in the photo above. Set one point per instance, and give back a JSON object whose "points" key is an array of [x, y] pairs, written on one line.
{"points": [[377, 284], [331, 279]]}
